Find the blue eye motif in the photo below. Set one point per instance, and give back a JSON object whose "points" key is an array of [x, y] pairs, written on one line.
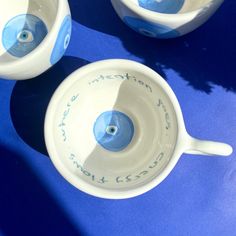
{"points": [[113, 130], [22, 34], [63, 40], [162, 6], [150, 29]]}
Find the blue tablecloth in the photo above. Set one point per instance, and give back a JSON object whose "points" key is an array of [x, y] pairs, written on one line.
{"points": [[199, 196]]}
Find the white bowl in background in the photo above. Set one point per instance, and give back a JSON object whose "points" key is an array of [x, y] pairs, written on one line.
{"points": [[34, 35], [165, 18]]}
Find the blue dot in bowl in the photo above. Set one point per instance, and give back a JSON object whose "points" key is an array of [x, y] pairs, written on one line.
{"points": [[150, 29], [22, 34], [113, 130], [162, 6], [63, 40]]}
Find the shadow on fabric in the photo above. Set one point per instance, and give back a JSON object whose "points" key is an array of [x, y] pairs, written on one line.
{"points": [[26, 208], [204, 58], [30, 99]]}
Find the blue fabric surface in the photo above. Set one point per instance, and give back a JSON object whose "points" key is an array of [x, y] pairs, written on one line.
{"points": [[199, 196]]}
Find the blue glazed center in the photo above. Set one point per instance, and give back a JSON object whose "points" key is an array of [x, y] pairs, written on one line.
{"points": [[162, 6], [113, 130], [22, 34], [25, 36]]}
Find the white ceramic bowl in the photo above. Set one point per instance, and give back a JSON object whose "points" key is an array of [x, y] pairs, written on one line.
{"points": [[165, 18], [114, 129], [34, 35]]}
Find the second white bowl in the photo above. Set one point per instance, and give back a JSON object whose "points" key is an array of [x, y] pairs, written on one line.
{"points": [[165, 18]]}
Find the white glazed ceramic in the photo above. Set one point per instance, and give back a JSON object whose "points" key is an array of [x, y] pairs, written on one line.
{"points": [[34, 35], [168, 18], [114, 129]]}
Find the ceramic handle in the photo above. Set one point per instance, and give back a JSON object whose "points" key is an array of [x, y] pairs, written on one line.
{"points": [[209, 148]]}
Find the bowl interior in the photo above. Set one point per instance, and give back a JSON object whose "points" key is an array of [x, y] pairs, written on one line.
{"points": [[171, 6], [24, 25], [114, 128]]}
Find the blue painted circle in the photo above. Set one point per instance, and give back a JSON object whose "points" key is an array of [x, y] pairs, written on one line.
{"points": [[150, 29], [62, 41], [162, 6], [113, 130], [22, 34]]}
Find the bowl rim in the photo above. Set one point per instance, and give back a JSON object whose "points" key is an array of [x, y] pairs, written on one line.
{"points": [[50, 37], [83, 185], [165, 16]]}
